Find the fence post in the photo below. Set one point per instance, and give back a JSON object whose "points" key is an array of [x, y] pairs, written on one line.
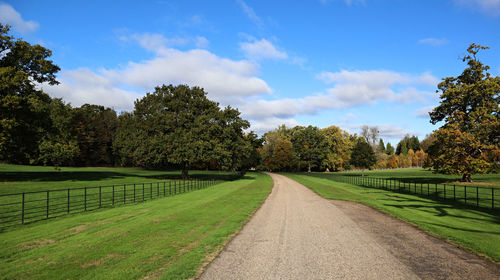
{"points": [[85, 199], [48, 204], [465, 194], [68, 200], [142, 191], [163, 188], [477, 196], [436, 192], [22, 210]]}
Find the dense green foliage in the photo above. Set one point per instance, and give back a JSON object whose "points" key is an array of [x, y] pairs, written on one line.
{"points": [[363, 155], [168, 238], [475, 230], [468, 142], [23, 108], [179, 126]]}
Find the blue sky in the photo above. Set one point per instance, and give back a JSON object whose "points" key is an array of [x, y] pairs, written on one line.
{"points": [[325, 62]]}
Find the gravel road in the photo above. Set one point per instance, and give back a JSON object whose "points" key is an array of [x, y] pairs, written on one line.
{"points": [[296, 234]]}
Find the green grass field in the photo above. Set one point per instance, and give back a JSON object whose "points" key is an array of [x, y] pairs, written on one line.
{"points": [[474, 229], [24, 178], [167, 238], [421, 175]]}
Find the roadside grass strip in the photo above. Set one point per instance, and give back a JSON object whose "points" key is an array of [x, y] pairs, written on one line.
{"points": [[477, 230], [168, 238]]}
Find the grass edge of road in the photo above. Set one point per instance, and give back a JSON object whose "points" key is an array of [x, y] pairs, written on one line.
{"points": [[472, 230], [177, 236]]}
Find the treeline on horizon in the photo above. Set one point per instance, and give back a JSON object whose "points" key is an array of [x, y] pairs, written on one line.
{"points": [[179, 127], [333, 149]]}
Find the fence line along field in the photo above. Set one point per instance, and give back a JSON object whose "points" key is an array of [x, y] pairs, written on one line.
{"points": [[26, 207], [32, 193], [166, 238]]}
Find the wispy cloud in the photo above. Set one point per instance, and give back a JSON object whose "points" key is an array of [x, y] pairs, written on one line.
{"points": [[424, 112], [8, 15], [489, 7], [261, 49], [436, 42], [250, 13], [347, 2]]}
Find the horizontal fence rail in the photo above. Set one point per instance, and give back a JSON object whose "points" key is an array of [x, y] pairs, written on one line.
{"points": [[476, 196], [28, 207]]}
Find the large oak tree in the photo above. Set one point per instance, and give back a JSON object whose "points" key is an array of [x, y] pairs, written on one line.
{"points": [[469, 108]]}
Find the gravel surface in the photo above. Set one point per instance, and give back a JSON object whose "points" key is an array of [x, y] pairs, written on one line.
{"points": [[296, 234]]}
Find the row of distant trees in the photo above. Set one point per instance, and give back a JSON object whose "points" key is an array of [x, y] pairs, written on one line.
{"points": [[333, 149], [178, 127]]}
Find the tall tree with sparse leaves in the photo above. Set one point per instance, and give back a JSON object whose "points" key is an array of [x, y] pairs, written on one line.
{"points": [[471, 130]]}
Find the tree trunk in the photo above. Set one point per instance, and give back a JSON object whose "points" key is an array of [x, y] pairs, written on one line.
{"points": [[185, 171], [467, 178], [309, 167]]}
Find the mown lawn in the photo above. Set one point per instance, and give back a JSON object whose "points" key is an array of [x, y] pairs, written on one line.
{"points": [[421, 175], [24, 178], [168, 238], [474, 229]]}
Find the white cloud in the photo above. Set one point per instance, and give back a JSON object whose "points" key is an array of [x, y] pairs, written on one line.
{"points": [[350, 89], [226, 81], [159, 44], [490, 7], [250, 13], [82, 86], [436, 42], [424, 112], [394, 131], [264, 125], [261, 49], [8, 15]]}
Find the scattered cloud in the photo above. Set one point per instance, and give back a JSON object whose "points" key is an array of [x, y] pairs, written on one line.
{"points": [[250, 13], [226, 81], [347, 2], [489, 7], [436, 42], [350, 89], [261, 49], [8, 15], [83, 86], [158, 43], [424, 112], [394, 132]]}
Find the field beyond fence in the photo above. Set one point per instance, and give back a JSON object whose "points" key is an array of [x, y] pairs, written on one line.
{"points": [[28, 207], [469, 196]]}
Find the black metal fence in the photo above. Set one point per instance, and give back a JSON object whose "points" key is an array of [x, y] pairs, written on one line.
{"points": [[478, 196], [27, 207]]}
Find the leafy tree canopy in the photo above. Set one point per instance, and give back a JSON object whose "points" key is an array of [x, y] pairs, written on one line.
{"points": [[469, 108], [23, 115]]}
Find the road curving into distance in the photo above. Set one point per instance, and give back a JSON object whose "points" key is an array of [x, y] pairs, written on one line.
{"points": [[297, 234]]}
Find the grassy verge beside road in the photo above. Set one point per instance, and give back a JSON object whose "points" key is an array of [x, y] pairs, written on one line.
{"points": [[478, 231], [170, 238]]}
